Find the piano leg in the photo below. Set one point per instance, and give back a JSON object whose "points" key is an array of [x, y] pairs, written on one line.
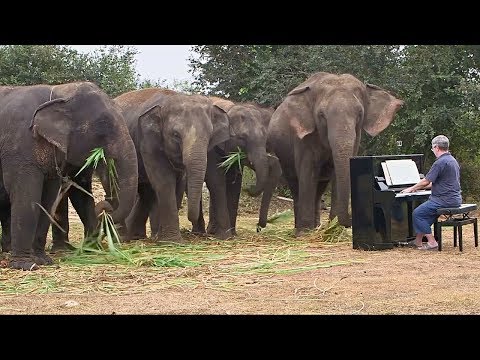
{"points": [[388, 222], [410, 219]]}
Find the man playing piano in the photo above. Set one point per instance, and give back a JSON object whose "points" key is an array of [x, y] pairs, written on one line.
{"points": [[444, 179]]}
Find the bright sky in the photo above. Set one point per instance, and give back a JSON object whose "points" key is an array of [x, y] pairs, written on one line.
{"points": [[156, 62]]}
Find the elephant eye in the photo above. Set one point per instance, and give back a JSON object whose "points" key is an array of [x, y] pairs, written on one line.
{"points": [[176, 135]]}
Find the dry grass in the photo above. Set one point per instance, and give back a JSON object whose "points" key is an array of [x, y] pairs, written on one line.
{"points": [[266, 273]]}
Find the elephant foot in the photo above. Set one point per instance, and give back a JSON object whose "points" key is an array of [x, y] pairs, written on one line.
{"points": [[6, 248], [23, 263], [134, 237], [198, 230], [259, 227], [61, 246], [41, 258], [347, 222], [177, 239], [225, 234], [302, 232]]}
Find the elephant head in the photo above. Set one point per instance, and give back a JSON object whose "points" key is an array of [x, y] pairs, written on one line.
{"points": [[183, 127], [332, 110], [80, 117], [248, 132]]}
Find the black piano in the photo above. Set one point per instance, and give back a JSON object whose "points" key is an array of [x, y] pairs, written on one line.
{"points": [[381, 216]]}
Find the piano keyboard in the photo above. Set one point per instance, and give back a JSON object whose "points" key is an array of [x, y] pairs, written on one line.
{"points": [[416, 193]]}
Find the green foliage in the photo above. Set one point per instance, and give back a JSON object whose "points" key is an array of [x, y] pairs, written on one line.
{"points": [[96, 155], [149, 83], [107, 227], [233, 159], [284, 190], [266, 73], [112, 68], [176, 85]]}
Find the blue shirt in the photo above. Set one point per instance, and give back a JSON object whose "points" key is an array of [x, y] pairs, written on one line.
{"points": [[445, 178]]}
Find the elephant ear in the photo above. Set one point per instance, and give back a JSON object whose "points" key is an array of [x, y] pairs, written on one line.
{"points": [[221, 127], [298, 90], [296, 107], [381, 109], [151, 121], [52, 121], [223, 104]]}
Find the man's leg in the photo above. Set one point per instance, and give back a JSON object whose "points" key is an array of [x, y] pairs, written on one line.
{"points": [[423, 217]]}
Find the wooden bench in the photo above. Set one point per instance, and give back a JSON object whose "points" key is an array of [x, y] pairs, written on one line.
{"points": [[456, 217]]}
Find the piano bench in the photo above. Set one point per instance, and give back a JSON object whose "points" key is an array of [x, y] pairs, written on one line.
{"points": [[456, 217]]}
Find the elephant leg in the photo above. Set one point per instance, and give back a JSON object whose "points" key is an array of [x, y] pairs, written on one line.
{"points": [[322, 185], [163, 181], [59, 238], [274, 174], [293, 186], [24, 194], [50, 192], [180, 189], [333, 200], [234, 187], [307, 197], [137, 220], [85, 207], [6, 231], [219, 218]]}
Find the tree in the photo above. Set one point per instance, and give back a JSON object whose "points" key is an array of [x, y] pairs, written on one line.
{"points": [[265, 73], [112, 68]]}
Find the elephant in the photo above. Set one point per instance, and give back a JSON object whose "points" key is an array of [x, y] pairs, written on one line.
{"points": [[248, 132], [315, 131], [45, 130], [172, 132]]}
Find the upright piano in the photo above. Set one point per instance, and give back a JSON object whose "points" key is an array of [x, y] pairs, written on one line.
{"points": [[381, 215]]}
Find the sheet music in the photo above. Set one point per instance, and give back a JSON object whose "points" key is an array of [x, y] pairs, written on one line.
{"points": [[386, 174], [402, 172]]}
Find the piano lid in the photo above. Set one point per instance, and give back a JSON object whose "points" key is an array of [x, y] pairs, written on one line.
{"points": [[400, 172]]}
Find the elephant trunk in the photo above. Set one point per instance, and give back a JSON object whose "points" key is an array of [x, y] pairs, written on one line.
{"points": [[259, 160], [274, 173], [195, 160], [126, 167], [341, 194]]}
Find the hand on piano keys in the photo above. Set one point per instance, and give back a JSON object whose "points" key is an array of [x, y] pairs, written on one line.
{"points": [[407, 190]]}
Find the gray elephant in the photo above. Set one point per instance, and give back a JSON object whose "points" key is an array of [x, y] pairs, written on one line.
{"points": [[248, 132], [43, 130], [315, 131], [172, 134]]}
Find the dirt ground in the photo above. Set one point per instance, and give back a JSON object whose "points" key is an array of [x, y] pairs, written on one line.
{"points": [[271, 274]]}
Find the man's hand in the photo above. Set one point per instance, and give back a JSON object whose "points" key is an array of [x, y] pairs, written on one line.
{"points": [[408, 190]]}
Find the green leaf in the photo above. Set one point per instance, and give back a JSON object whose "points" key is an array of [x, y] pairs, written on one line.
{"points": [[234, 158]]}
